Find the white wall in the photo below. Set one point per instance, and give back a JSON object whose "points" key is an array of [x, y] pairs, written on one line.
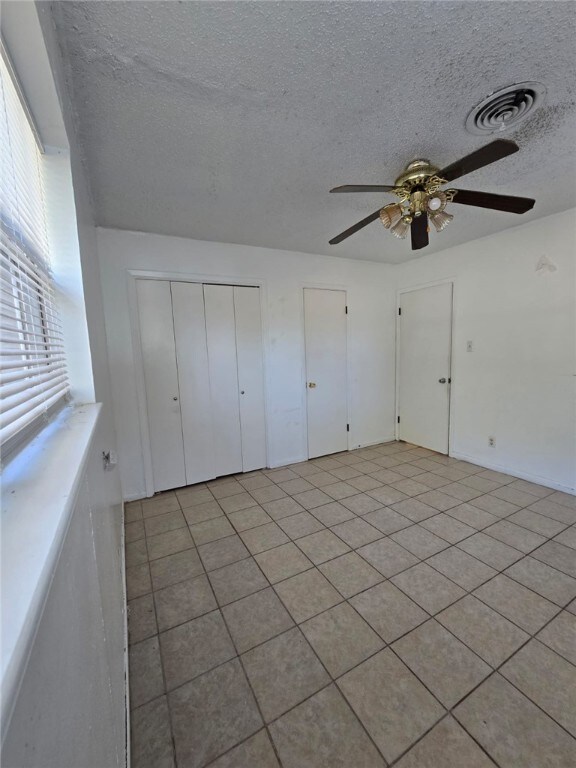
{"points": [[60, 689], [283, 274], [47, 727], [518, 384]]}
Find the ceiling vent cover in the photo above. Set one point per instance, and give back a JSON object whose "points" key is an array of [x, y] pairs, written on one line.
{"points": [[505, 108]]}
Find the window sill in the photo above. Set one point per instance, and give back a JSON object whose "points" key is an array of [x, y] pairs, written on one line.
{"points": [[39, 489]]}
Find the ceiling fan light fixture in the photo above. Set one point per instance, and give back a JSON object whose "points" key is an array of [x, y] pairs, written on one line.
{"points": [[420, 194], [440, 219], [436, 202], [401, 228], [390, 215]]}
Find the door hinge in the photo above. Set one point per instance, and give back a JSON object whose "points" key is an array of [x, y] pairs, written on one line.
{"points": [[346, 310], [347, 427], [398, 419], [399, 310]]}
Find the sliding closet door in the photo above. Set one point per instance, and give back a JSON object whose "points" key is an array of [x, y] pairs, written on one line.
{"points": [[250, 377], [194, 381], [222, 364], [161, 383]]}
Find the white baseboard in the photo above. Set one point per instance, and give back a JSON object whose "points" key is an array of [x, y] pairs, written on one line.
{"points": [[374, 442], [532, 478], [286, 462]]}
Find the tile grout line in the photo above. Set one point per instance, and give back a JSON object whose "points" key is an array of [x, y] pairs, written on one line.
{"points": [[164, 681], [246, 677], [340, 500], [447, 714], [334, 680], [438, 512], [494, 671], [498, 572], [383, 536]]}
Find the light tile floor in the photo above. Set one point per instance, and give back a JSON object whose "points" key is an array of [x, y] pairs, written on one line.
{"points": [[386, 606]]}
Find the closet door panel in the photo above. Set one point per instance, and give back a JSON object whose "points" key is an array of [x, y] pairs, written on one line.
{"points": [[222, 364], [326, 370], [161, 383], [194, 380], [250, 376]]}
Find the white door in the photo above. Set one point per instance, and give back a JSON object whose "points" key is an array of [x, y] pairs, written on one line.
{"points": [[424, 366], [250, 376], [326, 374], [194, 381], [161, 383], [223, 368]]}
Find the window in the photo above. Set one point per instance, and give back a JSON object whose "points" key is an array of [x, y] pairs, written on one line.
{"points": [[33, 377]]}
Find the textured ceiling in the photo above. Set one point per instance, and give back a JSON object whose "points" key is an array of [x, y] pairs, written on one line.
{"points": [[230, 121]]}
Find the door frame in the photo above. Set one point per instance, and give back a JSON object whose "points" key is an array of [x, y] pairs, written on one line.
{"points": [[451, 399], [323, 287], [132, 275]]}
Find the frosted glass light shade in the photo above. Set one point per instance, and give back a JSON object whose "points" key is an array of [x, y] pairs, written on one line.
{"points": [[390, 214], [436, 202], [400, 229], [440, 219]]}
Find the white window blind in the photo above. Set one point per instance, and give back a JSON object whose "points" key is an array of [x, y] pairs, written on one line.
{"points": [[33, 378]]}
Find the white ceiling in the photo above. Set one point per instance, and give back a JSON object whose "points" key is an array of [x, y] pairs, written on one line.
{"points": [[230, 121]]}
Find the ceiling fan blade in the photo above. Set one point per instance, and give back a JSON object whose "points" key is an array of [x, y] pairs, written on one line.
{"points": [[419, 231], [496, 202], [363, 188], [486, 155], [355, 227]]}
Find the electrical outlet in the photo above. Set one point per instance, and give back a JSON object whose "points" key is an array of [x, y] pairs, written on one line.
{"points": [[492, 442], [469, 346]]}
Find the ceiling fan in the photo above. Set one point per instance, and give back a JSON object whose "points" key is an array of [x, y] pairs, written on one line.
{"points": [[422, 199]]}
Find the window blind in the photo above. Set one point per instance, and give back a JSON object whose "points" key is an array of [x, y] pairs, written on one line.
{"points": [[33, 377]]}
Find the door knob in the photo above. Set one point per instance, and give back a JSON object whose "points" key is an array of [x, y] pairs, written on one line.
{"points": [[174, 398], [311, 384], [442, 381], [241, 391]]}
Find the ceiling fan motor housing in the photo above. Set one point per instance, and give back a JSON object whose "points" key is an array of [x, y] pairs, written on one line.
{"points": [[417, 172]]}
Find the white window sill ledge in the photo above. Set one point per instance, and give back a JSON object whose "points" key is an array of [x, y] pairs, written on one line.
{"points": [[39, 489]]}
